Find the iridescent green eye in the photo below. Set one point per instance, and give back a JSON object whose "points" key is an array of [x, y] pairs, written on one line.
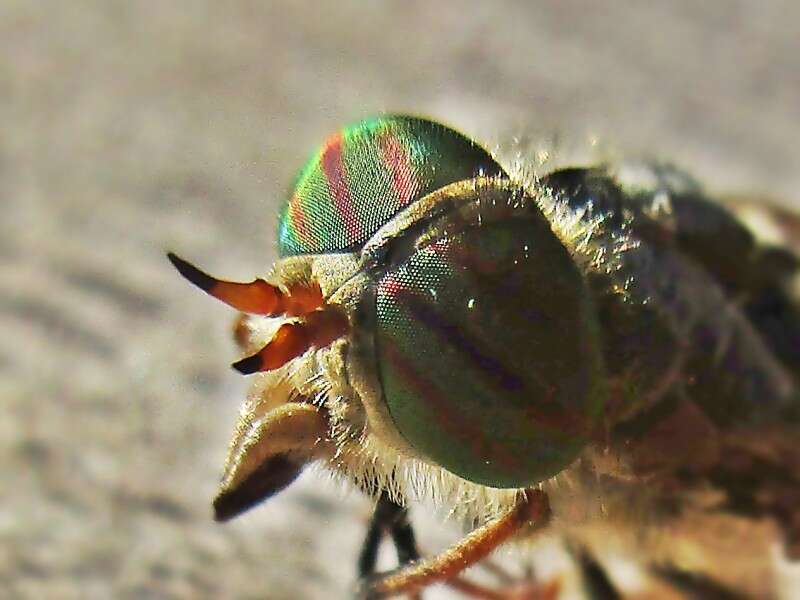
{"points": [[488, 353], [365, 174]]}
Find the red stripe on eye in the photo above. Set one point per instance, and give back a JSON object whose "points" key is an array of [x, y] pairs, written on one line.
{"points": [[446, 413], [396, 158], [392, 287], [333, 168], [297, 217]]}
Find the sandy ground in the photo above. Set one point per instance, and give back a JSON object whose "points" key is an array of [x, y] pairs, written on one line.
{"points": [[130, 127]]}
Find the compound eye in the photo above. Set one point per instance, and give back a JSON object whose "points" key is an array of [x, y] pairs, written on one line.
{"points": [[365, 174], [488, 354]]}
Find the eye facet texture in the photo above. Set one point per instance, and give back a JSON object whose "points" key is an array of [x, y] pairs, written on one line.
{"points": [[488, 354], [365, 174]]}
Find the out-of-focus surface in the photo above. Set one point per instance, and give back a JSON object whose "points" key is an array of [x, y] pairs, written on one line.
{"points": [[131, 127]]}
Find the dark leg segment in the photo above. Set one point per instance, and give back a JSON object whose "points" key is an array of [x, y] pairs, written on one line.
{"points": [[404, 541], [389, 517], [595, 581], [369, 549]]}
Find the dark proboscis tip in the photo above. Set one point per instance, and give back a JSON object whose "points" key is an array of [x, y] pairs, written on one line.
{"points": [[270, 478], [202, 280]]}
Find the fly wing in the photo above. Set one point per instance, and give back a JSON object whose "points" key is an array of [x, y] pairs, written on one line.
{"points": [[760, 470], [750, 249]]}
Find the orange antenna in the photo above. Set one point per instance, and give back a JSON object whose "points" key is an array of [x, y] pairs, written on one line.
{"points": [[256, 297], [316, 330]]}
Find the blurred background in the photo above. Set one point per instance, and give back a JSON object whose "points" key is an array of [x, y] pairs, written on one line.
{"points": [[132, 127]]}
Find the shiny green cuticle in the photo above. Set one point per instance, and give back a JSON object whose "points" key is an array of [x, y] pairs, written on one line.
{"points": [[364, 174], [489, 356]]}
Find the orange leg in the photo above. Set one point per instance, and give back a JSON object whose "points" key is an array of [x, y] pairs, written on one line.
{"points": [[532, 508]]}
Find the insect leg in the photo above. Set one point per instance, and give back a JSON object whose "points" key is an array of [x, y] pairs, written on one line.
{"points": [[696, 586], [389, 517], [403, 537], [369, 549], [596, 583], [533, 508]]}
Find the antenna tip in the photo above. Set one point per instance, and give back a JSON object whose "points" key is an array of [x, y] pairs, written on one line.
{"points": [[202, 280], [249, 365]]}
